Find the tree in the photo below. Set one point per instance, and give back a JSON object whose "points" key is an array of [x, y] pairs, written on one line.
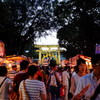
{"points": [[30, 19], [81, 27]]}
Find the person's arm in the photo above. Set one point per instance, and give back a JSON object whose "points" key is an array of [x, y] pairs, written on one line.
{"points": [[47, 80], [43, 96], [20, 95], [72, 88], [20, 91], [78, 90], [58, 78], [47, 77], [68, 75], [43, 91]]}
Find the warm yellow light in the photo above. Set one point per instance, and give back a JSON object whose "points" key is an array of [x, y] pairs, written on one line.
{"points": [[86, 63], [9, 65], [89, 63]]}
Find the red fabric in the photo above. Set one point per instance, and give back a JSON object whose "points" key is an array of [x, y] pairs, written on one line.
{"points": [[39, 73], [18, 78], [62, 93]]}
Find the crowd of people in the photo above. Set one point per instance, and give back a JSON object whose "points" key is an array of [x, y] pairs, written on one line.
{"points": [[36, 83]]}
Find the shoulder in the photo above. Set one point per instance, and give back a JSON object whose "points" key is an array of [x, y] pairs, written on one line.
{"points": [[8, 80], [87, 76]]}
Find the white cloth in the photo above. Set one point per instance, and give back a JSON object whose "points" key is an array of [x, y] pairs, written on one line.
{"points": [[65, 77], [34, 89], [74, 73], [86, 80], [6, 86], [76, 78]]}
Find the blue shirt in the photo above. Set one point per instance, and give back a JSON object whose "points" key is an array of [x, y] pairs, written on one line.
{"points": [[86, 80]]}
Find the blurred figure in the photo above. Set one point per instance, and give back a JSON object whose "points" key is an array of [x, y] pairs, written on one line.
{"points": [[12, 73], [21, 76], [59, 73], [35, 88], [81, 69], [65, 80], [39, 74], [74, 71], [54, 88], [92, 79], [44, 75], [47, 77], [5, 84]]}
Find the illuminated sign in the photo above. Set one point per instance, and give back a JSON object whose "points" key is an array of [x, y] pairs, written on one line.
{"points": [[97, 49]]}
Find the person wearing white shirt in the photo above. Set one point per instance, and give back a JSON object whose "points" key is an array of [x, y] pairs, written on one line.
{"points": [[5, 84], [92, 79], [81, 71], [65, 80]]}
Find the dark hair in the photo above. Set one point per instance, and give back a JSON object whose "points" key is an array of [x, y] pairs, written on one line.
{"points": [[14, 66], [95, 58], [32, 70], [65, 68], [24, 64], [3, 70], [42, 67], [47, 67], [52, 63], [79, 61]]}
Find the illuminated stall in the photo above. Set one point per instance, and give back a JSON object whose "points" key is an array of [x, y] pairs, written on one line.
{"points": [[73, 61], [13, 60]]}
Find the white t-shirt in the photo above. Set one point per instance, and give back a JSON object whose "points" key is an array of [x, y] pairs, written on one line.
{"points": [[34, 89], [6, 86], [76, 78], [65, 77]]}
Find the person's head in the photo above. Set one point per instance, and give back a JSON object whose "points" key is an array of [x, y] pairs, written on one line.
{"points": [[24, 64], [32, 70], [47, 68], [14, 67], [81, 65], [3, 71], [42, 68], [65, 68], [59, 69], [38, 68], [53, 65], [96, 64]]}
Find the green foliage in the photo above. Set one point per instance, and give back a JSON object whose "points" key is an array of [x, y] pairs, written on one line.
{"points": [[29, 19], [81, 27]]}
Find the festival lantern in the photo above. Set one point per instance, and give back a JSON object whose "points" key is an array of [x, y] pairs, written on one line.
{"points": [[2, 51]]}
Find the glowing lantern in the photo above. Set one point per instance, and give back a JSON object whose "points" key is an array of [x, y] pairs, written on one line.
{"points": [[2, 49], [10, 65]]}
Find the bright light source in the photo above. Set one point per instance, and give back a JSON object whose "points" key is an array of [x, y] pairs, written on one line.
{"points": [[86, 63], [89, 63], [9, 65]]}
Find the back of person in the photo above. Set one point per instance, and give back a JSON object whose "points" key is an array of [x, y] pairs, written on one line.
{"points": [[21, 76], [6, 86], [53, 80], [65, 77], [34, 89], [18, 78], [31, 88]]}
